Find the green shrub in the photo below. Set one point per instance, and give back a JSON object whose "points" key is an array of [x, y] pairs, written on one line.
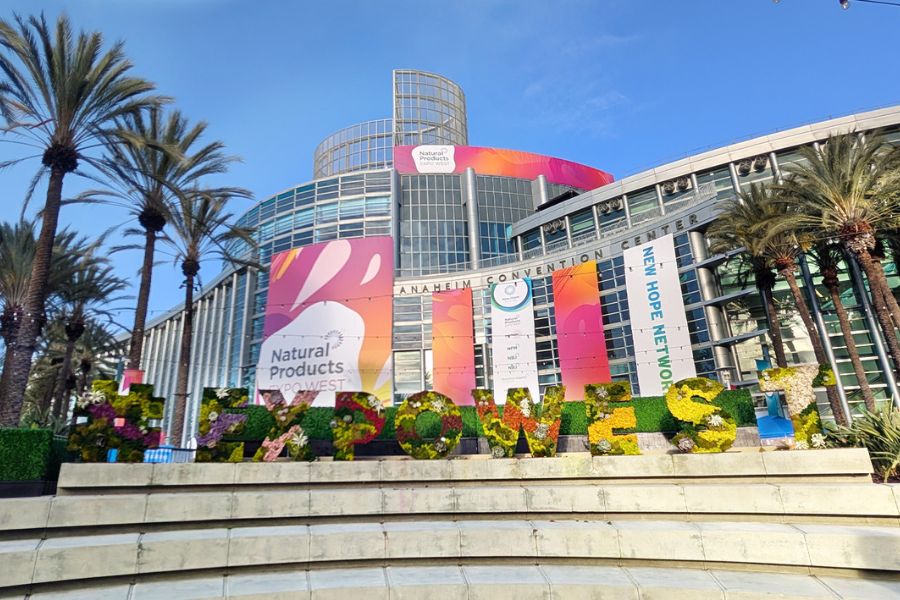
{"points": [[25, 454], [651, 413], [877, 432], [256, 427]]}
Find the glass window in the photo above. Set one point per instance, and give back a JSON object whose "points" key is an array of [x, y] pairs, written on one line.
{"points": [[643, 205]]}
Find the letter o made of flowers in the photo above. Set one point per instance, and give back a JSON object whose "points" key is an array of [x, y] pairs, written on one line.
{"points": [[705, 426], [405, 425]]}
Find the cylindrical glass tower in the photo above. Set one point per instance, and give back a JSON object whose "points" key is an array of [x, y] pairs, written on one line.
{"points": [[428, 109]]}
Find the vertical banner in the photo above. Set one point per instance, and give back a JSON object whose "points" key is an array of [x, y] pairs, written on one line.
{"points": [[662, 344], [328, 320], [579, 329], [453, 344], [514, 358]]}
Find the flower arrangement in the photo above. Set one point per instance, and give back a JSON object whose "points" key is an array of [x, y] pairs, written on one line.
{"points": [[405, 423], [358, 419], [215, 423], [705, 426], [605, 418], [501, 438], [797, 383], [540, 423], [105, 420], [286, 432]]}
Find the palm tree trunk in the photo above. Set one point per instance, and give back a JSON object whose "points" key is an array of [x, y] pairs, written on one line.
{"points": [[136, 348], [10, 333], [774, 325], [879, 304], [184, 362], [819, 350], [31, 324], [889, 298], [61, 401], [852, 350]]}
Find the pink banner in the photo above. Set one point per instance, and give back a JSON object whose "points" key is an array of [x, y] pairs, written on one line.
{"points": [[328, 320], [579, 329], [453, 345], [497, 161]]}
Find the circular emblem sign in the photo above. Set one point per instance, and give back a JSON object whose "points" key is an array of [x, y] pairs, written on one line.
{"points": [[512, 295]]}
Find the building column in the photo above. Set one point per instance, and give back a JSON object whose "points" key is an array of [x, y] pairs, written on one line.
{"points": [[659, 200], [627, 209], [470, 200], [542, 195], [735, 182], [823, 333], [716, 323], [519, 250], [596, 221], [395, 217], [568, 231]]}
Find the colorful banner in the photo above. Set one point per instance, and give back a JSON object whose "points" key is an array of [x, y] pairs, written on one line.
{"points": [[662, 344], [514, 358], [328, 320], [453, 345], [579, 329], [497, 161]]}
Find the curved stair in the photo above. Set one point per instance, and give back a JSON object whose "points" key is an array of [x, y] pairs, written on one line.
{"points": [[737, 525]]}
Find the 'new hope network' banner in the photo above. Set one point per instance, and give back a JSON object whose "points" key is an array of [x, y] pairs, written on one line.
{"points": [[512, 341], [662, 345], [328, 320]]}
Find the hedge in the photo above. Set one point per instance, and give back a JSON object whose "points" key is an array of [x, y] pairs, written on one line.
{"points": [[26, 454], [651, 412]]}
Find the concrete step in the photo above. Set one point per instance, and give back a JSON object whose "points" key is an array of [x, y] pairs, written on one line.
{"points": [[774, 546], [494, 582], [836, 465], [852, 503]]}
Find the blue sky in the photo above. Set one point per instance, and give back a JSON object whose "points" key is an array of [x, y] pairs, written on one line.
{"points": [[622, 85]]}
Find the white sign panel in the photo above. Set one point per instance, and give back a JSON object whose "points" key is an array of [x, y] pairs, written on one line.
{"points": [[662, 345], [513, 344], [434, 159]]}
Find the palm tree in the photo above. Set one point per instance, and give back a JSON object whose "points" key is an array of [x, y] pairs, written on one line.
{"points": [[147, 177], [829, 257], [200, 229], [849, 189], [86, 296], [61, 96], [17, 251], [783, 243], [734, 229], [97, 342]]}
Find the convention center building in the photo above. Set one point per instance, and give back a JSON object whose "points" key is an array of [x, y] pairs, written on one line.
{"points": [[459, 218]]}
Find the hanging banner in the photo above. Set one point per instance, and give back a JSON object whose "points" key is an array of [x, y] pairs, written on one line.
{"points": [[328, 320], [453, 345], [514, 358], [579, 329], [662, 344], [497, 161]]}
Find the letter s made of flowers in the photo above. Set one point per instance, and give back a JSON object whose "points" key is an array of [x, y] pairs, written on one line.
{"points": [[606, 419], [705, 427]]}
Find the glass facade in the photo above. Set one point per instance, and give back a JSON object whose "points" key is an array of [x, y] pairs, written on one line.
{"points": [[433, 226], [356, 148], [428, 109]]}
